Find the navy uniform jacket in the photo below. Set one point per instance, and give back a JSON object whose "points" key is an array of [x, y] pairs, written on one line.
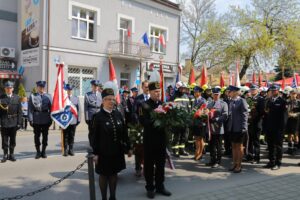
{"points": [[198, 102], [92, 104], [277, 115], [75, 102], [138, 102], [238, 115], [220, 116], [10, 111], [39, 108]]}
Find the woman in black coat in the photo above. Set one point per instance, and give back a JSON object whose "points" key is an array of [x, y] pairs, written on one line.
{"points": [[110, 144]]}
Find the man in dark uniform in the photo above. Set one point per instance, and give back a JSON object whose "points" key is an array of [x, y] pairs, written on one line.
{"points": [[154, 145], [276, 120], [11, 120], [256, 105], [39, 108], [92, 104], [217, 118], [69, 132]]}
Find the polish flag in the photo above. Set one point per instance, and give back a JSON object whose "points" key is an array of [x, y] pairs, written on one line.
{"points": [[162, 40], [203, 79], [113, 78], [162, 82], [253, 78], [192, 76], [222, 81], [259, 79]]}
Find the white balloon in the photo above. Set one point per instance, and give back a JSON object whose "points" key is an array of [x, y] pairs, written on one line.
{"points": [[111, 85], [154, 76]]}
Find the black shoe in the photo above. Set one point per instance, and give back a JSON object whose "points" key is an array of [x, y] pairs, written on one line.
{"points": [[112, 198], [268, 166], [237, 171], [12, 158], [164, 192], [150, 194], [209, 164], [275, 167], [182, 152], [216, 165], [71, 152], [298, 164], [43, 154], [232, 169], [5, 158], [255, 162], [65, 153], [37, 155]]}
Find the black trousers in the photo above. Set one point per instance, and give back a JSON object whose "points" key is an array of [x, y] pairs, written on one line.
{"points": [[8, 136], [154, 168], [90, 134], [180, 138], [39, 130], [227, 143], [254, 143], [24, 122], [215, 145], [69, 135], [275, 142]]}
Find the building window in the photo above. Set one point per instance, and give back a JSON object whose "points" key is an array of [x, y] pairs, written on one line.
{"points": [[125, 79], [155, 44], [80, 78], [83, 23]]}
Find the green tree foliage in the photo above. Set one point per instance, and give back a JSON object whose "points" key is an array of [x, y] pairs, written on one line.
{"points": [[288, 72], [21, 91]]}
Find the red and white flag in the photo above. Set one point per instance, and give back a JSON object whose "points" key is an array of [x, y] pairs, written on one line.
{"points": [[113, 78], [222, 81], [203, 79], [62, 109], [162, 40], [237, 75]]}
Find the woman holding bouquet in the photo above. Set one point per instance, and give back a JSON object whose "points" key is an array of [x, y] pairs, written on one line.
{"points": [[218, 113], [199, 125], [238, 126]]}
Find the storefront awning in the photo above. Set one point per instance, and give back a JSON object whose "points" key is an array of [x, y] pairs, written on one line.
{"points": [[9, 75]]}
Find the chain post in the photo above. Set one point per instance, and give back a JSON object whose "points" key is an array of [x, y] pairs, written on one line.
{"points": [[90, 162]]}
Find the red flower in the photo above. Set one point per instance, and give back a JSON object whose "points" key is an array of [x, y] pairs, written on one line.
{"points": [[166, 108]]}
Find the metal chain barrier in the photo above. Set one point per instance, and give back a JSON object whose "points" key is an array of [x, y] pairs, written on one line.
{"points": [[29, 194]]}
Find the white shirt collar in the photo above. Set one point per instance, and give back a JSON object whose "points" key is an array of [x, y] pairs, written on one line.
{"points": [[108, 111]]}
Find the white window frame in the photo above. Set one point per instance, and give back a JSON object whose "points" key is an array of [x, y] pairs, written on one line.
{"points": [[122, 16], [81, 75], [123, 79], [166, 29], [86, 7]]}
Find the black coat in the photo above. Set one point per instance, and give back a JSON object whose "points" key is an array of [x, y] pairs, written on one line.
{"points": [[277, 115], [10, 111], [257, 110], [154, 137]]}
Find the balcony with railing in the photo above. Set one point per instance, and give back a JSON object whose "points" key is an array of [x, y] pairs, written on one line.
{"points": [[129, 50]]}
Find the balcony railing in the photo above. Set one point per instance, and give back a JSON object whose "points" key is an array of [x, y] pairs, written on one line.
{"points": [[129, 49]]}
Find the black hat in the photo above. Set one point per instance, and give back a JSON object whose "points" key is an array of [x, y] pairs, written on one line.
{"points": [[9, 84], [68, 87], [154, 86], [233, 88], [274, 87], [198, 89], [95, 82], [216, 90], [253, 87], [107, 92], [134, 89], [41, 83]]}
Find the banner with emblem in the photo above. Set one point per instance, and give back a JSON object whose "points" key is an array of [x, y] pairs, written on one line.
{"points": [[62, 110]]}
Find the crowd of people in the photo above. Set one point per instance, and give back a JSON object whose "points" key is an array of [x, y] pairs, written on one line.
{"points": [[237, 118]]}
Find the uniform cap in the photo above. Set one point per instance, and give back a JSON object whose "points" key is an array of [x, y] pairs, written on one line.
{"points": [[41, 83], [233, 88], [154, 86], [198, 89], [107, 92], [68, 87], [9, 84], [216, 90], [134, 89], [95, 82]]}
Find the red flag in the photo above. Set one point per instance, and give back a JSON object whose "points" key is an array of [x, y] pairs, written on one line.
{"points": [[283, 83], [259, 79], [162, 40], [113, 78], [192, 76], [128, 33], [253, 78], [222, 81], [203, 79], [162, 81]]}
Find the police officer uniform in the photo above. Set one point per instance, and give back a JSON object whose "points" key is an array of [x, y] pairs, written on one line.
{"points": [[155, 145], [180, 135], [11, 120], [256, 106], [276, 120], [92, 104], [219, 114], [39, 108], [69, 132]]}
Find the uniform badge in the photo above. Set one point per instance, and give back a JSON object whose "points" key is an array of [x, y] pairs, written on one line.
{"points": [[107, 123]]}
